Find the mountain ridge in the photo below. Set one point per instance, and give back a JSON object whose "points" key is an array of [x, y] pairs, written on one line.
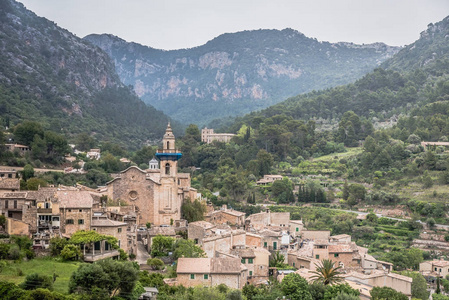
{"points": [[50, 75], [238, 72]]}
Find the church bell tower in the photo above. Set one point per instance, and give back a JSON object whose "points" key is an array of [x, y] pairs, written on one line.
{"points": [[169, 204]]}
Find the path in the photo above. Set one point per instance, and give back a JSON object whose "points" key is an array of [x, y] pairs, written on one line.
{"points": [[142, 254]]}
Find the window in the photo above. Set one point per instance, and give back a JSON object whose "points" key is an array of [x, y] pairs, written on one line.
{"points": [[195, 241], [436, 269], [119, 230], [206, 276], [265, 244], [55, 219], [80, 210], [335, 254], [168, 145], [243, 260], [47, 205], [275, 245], [297, 229], [192, 276], [440, 270], [6, 204], [80, 221], [250, 260], [70, 210], [317, 256], [167, 169], [250, 273], [70, 221], [293, 264]]}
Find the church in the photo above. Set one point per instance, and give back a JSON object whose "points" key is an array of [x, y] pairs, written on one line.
{"points": [[156, 194]]}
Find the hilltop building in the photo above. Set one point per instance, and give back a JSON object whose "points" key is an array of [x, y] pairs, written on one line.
{"points": [[208, 136]]}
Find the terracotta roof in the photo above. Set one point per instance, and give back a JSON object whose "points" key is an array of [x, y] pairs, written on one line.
{"points": [[440, 263], [340, 249], [15, 195], [243, 253], [203, 224], [267, 232], [226, 265], [340, 236], [105, 222], [233, 212], [193, 265], [375, 274], [74, 199], [10, 183]]}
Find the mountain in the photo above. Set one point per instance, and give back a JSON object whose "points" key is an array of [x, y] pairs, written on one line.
{"points": [[427, 52], [49, 75], [237, 73], [416, 76]]}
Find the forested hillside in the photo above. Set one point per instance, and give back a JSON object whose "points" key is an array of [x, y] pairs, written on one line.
{"points": [[49, 75], [237, 73]]}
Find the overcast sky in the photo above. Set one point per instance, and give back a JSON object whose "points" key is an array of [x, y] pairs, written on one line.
{"points": [[175, 24]]}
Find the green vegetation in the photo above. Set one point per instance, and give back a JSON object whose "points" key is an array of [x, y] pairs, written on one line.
{"points": [[44, 267]]}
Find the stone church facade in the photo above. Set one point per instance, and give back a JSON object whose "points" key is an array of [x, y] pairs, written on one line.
{"points": [[156, 195]]}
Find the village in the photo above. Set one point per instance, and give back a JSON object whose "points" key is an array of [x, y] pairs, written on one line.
{"points": [[238, 248]]}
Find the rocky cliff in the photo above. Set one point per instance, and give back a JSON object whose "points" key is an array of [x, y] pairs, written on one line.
{"points": [[239, 72], [50, 75]]}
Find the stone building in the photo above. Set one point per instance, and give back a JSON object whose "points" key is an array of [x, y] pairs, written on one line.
{"points": [[155, 194], [208, 136], [211, 272], [75, 211], [226, 216]]}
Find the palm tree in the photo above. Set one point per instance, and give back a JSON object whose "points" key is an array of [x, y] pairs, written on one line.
{"points": [[327, 272]]}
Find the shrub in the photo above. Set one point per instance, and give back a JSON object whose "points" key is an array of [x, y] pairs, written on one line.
{"points": [[70, 252], [35, 280], [155, 263]]}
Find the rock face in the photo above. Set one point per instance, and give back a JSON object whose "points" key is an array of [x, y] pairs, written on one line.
{"points": [[50, 75], [237, 73]]}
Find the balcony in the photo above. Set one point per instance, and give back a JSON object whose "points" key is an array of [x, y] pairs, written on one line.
{"points": [[44, 210], [93, 257], [168, 151]]}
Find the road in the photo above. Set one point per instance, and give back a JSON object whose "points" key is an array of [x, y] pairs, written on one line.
{"points": [[37, 170], [438, 226], [142, 254]]}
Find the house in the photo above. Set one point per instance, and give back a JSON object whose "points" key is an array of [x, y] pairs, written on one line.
{"points": [[208, 136], [196, 231], [315, 235], [21, 149], [378, 278], [256, 260], [295, 227], [103, 225], [271, 240], [211, 272], [264, 219], [224, 242], [434, 268], [94, 154], [268, 179], [75, 211], [8, 174], [226, 216]]}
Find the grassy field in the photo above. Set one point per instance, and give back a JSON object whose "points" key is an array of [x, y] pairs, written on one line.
{"points": [[63, 270]]}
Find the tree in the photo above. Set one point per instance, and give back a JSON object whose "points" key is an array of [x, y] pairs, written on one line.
{"points": [[84, 142], [193, 211], [33, 184], [295, 287], [382, 293], [2, 221], [327, 272], [265, 162], [71, 252], [28, 172], [419, 285], [187, 248], [334, 290], [344, 296], [106, 277], [155, 263], [277, 260], [346, 191], [24, 133], [35, 280], [161, 245]]}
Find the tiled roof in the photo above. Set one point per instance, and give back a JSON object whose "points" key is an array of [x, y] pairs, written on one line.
{"points": [[340, 236], [193, 265], [104, 222], [267, 232], [74, 199], [244, 253], [9, 183], [440, 263], [216, 265], [340, 249], [15, 195], [233, 212], [203, 224]]}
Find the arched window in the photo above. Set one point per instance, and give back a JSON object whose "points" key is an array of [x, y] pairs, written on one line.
{"points": [[167, 169], [168, 145]]}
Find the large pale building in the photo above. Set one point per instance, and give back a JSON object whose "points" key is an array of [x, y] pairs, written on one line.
{"points": [[156, 195], [208, 136]]}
